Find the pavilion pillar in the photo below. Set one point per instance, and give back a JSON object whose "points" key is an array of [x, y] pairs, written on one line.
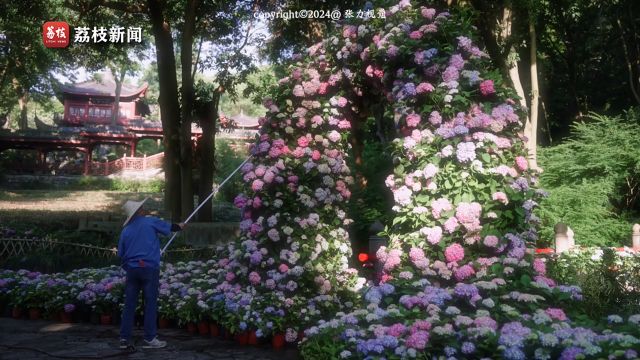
{"points": [[635, 237], [87, 161], [42, 161], [132, 148]]}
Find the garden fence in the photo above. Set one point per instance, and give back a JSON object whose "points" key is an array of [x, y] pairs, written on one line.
{"points": [[14, 247]]}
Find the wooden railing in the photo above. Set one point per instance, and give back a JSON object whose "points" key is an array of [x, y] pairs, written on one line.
{"points": [[127, 163], [11, 247]]}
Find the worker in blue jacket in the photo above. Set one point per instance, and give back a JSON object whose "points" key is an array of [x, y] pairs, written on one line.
{"points": [[139, 252]]}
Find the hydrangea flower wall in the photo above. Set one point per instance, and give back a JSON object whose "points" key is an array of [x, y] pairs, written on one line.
{"points": [[292, 258], [458, 278]]}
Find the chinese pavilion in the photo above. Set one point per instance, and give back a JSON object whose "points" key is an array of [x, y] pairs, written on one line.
{"points": [[91, 103]]}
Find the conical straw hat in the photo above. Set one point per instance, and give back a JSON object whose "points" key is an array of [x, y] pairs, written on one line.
{"points": [[131, 207]]}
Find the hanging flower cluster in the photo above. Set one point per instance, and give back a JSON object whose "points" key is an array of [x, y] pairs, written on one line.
{"points": [[458, 278]]}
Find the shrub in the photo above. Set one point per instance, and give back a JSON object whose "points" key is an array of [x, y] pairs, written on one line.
{"points": [[593, 180], [609, 280], [227, 160]]}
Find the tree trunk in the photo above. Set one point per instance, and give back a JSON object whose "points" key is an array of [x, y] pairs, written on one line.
{"points": [[169, 107], [206, 148], [627, 57], [186, 153], [506, 24], [533, 116], [23, 121], [115, 115]]}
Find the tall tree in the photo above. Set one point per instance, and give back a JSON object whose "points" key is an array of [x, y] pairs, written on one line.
{"points": [[120, 67], [175, 26], [26, 65]]}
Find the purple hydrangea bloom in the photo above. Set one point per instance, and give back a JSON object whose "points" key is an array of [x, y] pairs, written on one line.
{"points": [[513, 334], [571, 353], [409, 89]]}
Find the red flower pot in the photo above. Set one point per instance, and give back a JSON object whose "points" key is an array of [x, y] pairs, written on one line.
{"points": [[242, 338], [34, 314], [192, 328], [203, 327], [66, 317], [278, 341], [163, 323], [16, 312], [105, 319], [253, 338], [214, 329], [54, 317]]}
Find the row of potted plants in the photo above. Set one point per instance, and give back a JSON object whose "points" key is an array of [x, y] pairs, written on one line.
{"points": [[186, 300]]}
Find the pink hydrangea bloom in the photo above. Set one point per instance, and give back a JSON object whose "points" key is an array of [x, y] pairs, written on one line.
{"points": [[396, 330], [416, 135], [557, 314], [254, 278], [402, 195], [500, 197], [491, 241], [433, 234], [539, 266], [230, 276], [438, 206], [427, 13], [522, 163], [298, 91], [413, 120], [392, 260], [464, 272], [424, 88], [303, 141], [257, 185], [418, 340], [486, 88], [435, 118], [350, 31], [415, 35], [430, 171], [454, 253], [333, 136], [344, 124], [468, 213], [269, 176], [416, 254], [283, 268], [451, 225]]}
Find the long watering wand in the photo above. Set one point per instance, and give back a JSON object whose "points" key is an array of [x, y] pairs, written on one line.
{"points": [[215, 191]]}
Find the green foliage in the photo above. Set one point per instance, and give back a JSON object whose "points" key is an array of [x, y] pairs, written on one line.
{"points": [[148, 147], [48, 261], [593, 180], [370, 200], [609, 282], [95, 183], [227, 160], [586, 208]]}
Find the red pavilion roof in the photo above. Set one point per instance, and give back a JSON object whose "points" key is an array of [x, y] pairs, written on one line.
{"points": [[105, 87]]}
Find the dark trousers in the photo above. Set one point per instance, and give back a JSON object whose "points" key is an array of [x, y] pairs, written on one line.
{"points": [[147, 280]]}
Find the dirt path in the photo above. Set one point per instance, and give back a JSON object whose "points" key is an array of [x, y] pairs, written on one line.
{"points": [[22, 340], [60, 200]]}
